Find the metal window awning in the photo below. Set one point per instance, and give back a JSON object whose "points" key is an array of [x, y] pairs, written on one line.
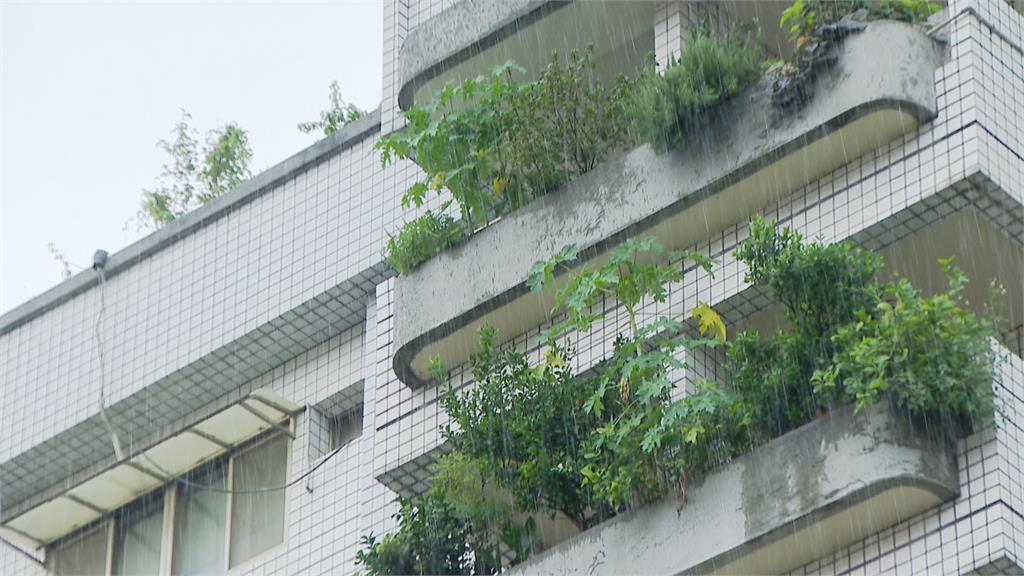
{"points": [[146, 470]]}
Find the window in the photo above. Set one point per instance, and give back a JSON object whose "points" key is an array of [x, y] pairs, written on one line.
{"points": [[257, 518], [346, 428], [201, 523], [189, 530], [84, 554], [139, 538], [335, 421]]}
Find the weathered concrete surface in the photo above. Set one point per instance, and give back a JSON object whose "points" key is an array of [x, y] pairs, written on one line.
{"points": [[458, 32], [752, 154], [801, 496]]}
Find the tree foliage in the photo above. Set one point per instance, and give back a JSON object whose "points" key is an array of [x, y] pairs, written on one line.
{"points": [[195, 174], [491, 144], [930, 355], [668, 105], [821, 287], [526, 425], [338, 114], [645, 444]]}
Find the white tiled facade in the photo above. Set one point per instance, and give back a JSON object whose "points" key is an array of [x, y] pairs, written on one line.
{"points": [[326, 224]]}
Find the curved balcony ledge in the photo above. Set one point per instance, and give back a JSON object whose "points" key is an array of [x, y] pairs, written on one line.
{"points": [[753, 154], [803, 495], [455, 34]]}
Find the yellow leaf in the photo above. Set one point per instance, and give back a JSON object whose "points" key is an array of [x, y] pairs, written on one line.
{"points": [[437, 182], [624, 388], [498, 184], [709, 320], [554, 360]]}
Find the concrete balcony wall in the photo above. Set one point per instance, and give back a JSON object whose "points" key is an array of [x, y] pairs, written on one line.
{"points": [[803, 495], [841, 489], [883, 196], [751, 156]]}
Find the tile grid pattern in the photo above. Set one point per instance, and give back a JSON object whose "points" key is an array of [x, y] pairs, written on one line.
{"points": [[853, 198], [250, 259], [674, 17], [860, 194]]}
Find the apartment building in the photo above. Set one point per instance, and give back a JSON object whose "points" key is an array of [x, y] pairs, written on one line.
{"points": [[246, 389]]}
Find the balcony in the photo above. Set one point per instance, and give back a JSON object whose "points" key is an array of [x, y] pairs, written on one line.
{"points": [[881, 88], [473, 36], [801, 496]]}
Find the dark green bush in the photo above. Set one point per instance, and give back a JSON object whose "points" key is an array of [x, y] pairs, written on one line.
{"points": [[852, 337], [668, 105], [420, 239], [430, 539], [931, 355], [526, 425], [459, 526], [821, 287]]}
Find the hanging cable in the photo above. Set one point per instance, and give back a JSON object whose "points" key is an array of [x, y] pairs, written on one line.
{"points": [[99, 260]]}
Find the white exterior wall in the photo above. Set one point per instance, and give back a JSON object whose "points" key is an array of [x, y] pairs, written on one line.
{"points": [[329, 222]]}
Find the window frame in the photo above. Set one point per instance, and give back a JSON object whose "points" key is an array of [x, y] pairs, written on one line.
{"points": [[171, 493]]}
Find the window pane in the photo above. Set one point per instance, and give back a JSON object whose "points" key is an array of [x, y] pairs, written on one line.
{"points": [[199, 535], [257, 520], [85, 555], [139, 535], [346, 428]]}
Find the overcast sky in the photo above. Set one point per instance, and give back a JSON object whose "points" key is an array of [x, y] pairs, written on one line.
{"points": [[86, 90]]}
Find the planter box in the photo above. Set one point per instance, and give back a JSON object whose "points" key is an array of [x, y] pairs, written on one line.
{"points": [[752, 154], [803, 495]]}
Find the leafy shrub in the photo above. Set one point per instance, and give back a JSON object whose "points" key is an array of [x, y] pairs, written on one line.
{"points": [[815, 25], [420, 239], [930, 354], [852, 337], [569, 117], [336, 117], [645, 443], [525, 426], [430, 539], [456, 527], [495, 144], [904, 10], [195, 175], [821, 287], [803, 18], [667, 106]]}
